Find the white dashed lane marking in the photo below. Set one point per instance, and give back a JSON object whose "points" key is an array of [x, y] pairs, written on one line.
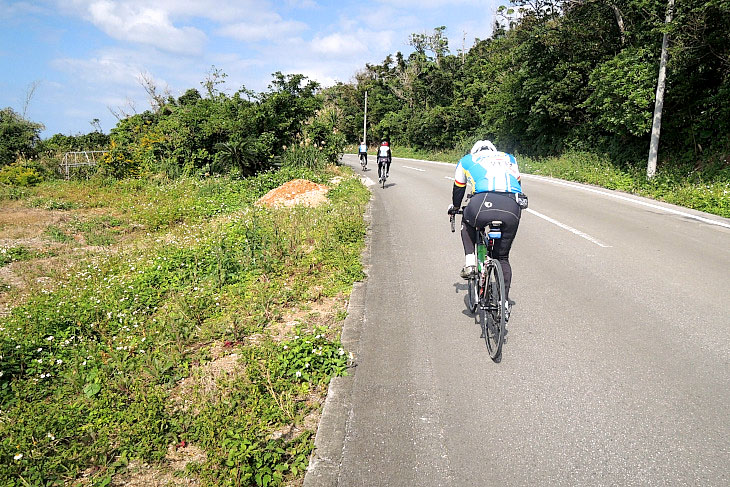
{"points": [[566, 227]]}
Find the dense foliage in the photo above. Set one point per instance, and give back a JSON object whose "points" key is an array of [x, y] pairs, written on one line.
{"points": [[242, 134], [558, 75], [18, 137]]}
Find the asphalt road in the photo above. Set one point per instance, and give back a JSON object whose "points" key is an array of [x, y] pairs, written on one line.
{"points": [[616, 368]]}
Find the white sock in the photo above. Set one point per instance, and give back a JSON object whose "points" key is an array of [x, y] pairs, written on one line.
{"points": [[470, 260]]}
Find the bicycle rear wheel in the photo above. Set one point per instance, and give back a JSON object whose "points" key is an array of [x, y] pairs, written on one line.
{"points": [[492, 310]]}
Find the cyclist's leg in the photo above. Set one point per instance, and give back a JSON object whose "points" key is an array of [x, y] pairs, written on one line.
{"points": [[468, 236], [469, 230], [470, 221], [380, 167], [387, 169]]}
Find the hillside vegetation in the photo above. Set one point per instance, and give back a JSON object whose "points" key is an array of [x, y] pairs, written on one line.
{"points": [[560, 76]]}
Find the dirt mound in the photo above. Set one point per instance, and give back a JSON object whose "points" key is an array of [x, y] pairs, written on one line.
{"points": [[295, 192]]}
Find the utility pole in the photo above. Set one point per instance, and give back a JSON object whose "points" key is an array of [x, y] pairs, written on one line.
{"points": [[656, 125], [365, 122], [463, 46]]}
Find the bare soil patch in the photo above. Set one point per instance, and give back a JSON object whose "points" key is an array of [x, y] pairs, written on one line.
{"points": [[295, 192], [203, 381], [178, 456]]}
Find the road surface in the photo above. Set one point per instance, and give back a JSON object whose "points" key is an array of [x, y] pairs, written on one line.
{"points": [[616, 368]]}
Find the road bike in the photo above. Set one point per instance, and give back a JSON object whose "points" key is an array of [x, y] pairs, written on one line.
{"points": [[486, 292], [382, 164]]}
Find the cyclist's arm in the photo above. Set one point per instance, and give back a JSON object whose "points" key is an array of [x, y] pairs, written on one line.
{"points": [[459, 189]]}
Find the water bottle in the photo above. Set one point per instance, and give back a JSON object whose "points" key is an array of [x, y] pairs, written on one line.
{"points": [[481, 255]]}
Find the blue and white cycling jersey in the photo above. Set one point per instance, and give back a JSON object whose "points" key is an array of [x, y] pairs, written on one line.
{"points": [[489, 170]]}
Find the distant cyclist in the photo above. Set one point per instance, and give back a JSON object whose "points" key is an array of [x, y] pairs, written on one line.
{"points": [[384, 160], [363, 153], [495, 180]]}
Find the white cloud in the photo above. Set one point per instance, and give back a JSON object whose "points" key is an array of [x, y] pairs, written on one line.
{"points": [[302, 3], [145, 25], [100, 70], [272, 29], [339, 44], [428, 3]]}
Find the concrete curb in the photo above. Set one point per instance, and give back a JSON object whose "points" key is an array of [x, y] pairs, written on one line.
{"points": [[326, 459]]}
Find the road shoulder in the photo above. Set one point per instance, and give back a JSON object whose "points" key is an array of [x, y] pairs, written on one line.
{"points": [[326, 459]]}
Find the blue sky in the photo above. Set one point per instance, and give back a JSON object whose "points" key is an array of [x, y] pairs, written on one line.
{"points": [[85, 57]]}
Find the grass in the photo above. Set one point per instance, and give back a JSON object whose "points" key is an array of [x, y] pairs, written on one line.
{"points": [[20, 253], [706, 189], [114, 358]]}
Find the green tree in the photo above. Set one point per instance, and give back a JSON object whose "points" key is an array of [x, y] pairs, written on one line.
{"points": [[18, 137]]}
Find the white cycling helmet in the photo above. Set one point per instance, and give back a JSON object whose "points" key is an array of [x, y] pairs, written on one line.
{"points": [[482, 145]]}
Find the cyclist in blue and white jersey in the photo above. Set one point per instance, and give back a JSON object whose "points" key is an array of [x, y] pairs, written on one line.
{"points": [[495, 180]]}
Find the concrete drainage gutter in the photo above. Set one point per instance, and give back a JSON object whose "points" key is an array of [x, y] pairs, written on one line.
{"points": [[326, 459]]}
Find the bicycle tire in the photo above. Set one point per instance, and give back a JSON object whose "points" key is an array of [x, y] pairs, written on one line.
{"points": [[473, 293], [492, 310]]}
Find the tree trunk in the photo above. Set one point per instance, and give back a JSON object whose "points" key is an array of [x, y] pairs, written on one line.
{"points": [[620, 22], [659, 103]]}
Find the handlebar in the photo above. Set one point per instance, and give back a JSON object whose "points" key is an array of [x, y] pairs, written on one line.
{"points": [[452, 218]]}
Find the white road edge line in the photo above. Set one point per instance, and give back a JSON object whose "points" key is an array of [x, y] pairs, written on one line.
{"points": [[631, 200], [415, 168], [448, 177], [566, 227]]}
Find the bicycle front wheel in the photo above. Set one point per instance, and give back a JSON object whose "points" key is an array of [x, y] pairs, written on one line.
{"points": [[492, 310], [473, 293]]}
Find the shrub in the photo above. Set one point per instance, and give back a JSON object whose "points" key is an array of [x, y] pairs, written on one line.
{"points": [[18, 174]]}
